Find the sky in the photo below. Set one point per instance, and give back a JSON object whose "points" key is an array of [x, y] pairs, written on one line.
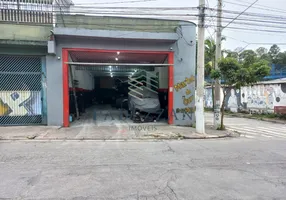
{"points": [[234, 38]]}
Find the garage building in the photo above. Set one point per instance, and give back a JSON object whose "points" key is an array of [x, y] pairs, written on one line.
{"points": [[93, 69]]}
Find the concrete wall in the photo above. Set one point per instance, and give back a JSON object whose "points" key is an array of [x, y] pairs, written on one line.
{"points": [[116, 23], [25, 32], [184, 69], [262, 97], [84, 78], [106, 82], [184, 75], [163, 76]]}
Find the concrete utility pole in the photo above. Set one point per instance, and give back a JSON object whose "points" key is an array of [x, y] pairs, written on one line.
{"points": [[217, 89], [200, 119]]}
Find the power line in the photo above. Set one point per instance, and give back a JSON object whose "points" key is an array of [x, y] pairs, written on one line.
{"points": [[252, 20], [263, 6], [252, 14], [259, 25], [255, 7], [237, 39], [264, 30], [241, 13], [212, 21], [117, 2]]}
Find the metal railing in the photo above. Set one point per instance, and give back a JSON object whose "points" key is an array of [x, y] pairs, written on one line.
{"points": [[137, 87], [27, 11]]}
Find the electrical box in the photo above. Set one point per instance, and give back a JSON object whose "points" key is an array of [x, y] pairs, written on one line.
{"points": [[52, 47]]}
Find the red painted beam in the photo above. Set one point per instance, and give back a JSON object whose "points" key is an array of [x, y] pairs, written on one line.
{"points": [[65, 58], [171, 89]]}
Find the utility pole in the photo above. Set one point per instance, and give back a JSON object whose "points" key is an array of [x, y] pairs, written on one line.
{"points": [[200, 119], [217, 90]]}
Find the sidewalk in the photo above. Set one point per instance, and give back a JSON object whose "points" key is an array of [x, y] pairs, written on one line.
{"points": [[117, 132]]}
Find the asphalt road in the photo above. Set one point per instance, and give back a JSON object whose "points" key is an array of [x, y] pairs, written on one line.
{"points": [[237, 168], [252, 128]]}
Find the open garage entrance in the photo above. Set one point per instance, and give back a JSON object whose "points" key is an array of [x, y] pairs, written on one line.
{"points": [[109, 85]]}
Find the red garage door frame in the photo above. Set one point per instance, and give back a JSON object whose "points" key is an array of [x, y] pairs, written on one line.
{"points": [[65, 68]]}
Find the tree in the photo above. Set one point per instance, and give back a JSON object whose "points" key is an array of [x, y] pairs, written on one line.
{"points": [[281, 58], [210, 52], [261, 51], [247, 57], [210, 55], [231, 54], [237, 74], [273, 52]]}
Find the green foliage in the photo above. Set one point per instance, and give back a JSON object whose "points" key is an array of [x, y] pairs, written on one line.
{"points": [[210, 55], [247, 57], [261, 51], [210, 49], [238, 74], [231, 54], [281, 58], [273, 52]]}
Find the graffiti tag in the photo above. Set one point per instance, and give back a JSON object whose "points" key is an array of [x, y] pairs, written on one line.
{"points": [[184, 83]]}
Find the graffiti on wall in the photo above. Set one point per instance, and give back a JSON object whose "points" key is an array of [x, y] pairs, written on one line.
{"points": [[264, 96], [20, 103], [208, 98], [184, 83], [261, 97], [232, 99], [187, 97]]}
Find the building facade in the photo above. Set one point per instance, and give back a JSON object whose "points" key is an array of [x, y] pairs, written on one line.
{"points": [[42, 57]]}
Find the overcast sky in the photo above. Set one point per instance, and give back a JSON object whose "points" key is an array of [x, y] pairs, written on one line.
{"points": [[235, 37]]}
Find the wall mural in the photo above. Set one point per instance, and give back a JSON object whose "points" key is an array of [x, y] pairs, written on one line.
{"points": [[261, 97], [20, 103], [264, 96]]}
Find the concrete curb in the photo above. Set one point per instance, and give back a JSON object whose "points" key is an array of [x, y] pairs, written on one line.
{"points": [[261, 119], [249, 117], [122, 139]]}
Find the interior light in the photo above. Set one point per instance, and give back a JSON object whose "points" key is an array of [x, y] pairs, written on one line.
{"points": [[109, 66], [135, 70], [118, 52], [116, 59], [110, 69]]}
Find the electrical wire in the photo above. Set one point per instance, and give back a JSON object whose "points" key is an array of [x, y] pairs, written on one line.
{"points": [[263, 30], [251, 20], [263, 6], [194, 17], [251, 14], [117, 2], [241, 13], [255, 7], [212, 21]]}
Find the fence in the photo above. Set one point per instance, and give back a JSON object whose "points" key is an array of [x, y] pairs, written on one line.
{"points": [[20, 90], [27, 11]]}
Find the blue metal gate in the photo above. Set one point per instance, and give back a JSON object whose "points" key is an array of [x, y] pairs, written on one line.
{"points": [[20, 90]]}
